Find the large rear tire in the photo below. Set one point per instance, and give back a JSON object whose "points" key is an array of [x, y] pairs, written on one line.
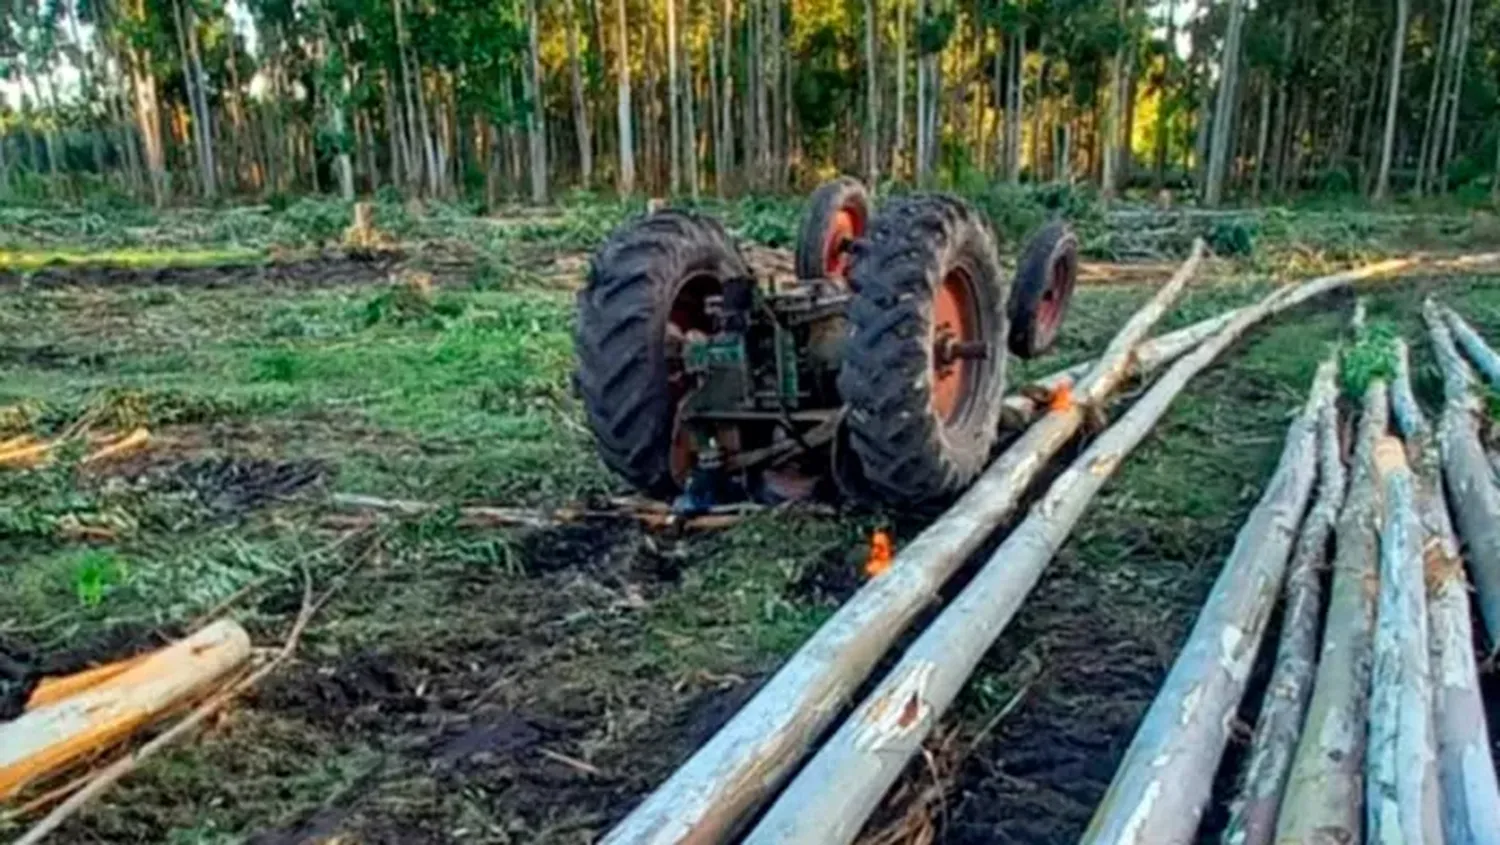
{"points": [[920, 418], [838, 213], [646, 290], [1039, 297]]}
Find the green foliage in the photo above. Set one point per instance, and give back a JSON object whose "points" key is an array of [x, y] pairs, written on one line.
{"points": [[311, 221], [1372, 356], [1231, 238], [96, 573], [280, 365]]}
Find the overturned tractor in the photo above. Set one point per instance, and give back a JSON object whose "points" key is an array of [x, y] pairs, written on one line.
{"points": [[879, 371]]}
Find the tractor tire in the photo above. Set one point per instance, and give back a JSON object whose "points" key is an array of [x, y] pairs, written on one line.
{"points": [[838, 213], [922, 431], [1043, 287], [639, 286]]}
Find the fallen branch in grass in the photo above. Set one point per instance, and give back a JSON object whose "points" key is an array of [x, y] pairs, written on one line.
{"points": [[1165, 780], [737, 769], [1401, 791], [50, 737], [1466, 775], [1325, 790], [650, 515], [1467, 472], [1252, 818], [114, 772], [835, 792]]}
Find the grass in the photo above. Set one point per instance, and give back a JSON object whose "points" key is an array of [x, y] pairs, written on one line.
{"points": [[25, 261], [600, 642]]}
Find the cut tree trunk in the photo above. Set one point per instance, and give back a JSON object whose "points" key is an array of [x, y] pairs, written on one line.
{"points": [[1466, 773], [747, 759], [45, 739], [1476, 348], [1166, 777], [866, 755], [1401, 792], [1252, 818], [1325, 791], [1467, 475]]}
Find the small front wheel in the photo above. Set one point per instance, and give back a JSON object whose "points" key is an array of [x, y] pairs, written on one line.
{"points": [[1043, 286], [837, 214]]}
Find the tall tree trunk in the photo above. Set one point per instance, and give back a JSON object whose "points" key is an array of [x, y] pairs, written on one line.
{"points": [[148, 117], [627, 136], [762, 104], [1038, 109], [193, 80], [716, 117], [1461, 35], [1263, 133], [898, 144], [872, 101], [536, 123], [690, 125], [1219, 146], [924, 94], [1429, 126], [1113, 118], [775, 97], [580, 102], [1393, 97], [1013, 115], [674, 108], [726, 96]]}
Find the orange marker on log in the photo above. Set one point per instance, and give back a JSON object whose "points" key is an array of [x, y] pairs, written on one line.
{"points": [[880, 556]]}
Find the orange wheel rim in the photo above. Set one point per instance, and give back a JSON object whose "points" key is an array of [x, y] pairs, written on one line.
{"points": [[847, 225], [954, 320]]}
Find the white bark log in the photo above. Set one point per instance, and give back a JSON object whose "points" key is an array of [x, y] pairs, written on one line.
{"points": [[1253, 817], [1474, 346], [835, 792], [1324, 794], [1401, 797], [1166, 778], [1159, 351], [1466, 773], [749, 757], [1467, 475]]}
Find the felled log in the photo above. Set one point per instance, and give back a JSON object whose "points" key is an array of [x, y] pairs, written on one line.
{"points": [[1165, 780], [836, 791], [1325, 790], [1466, 773], [1467, 473], [1157, 352], [1401, 792], [1473, 345], [44, 740], [707, 798], [1252, 818], [650, 515]]}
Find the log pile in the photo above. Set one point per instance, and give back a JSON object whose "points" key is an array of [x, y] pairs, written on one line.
{"points": [[1392, 746]]}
